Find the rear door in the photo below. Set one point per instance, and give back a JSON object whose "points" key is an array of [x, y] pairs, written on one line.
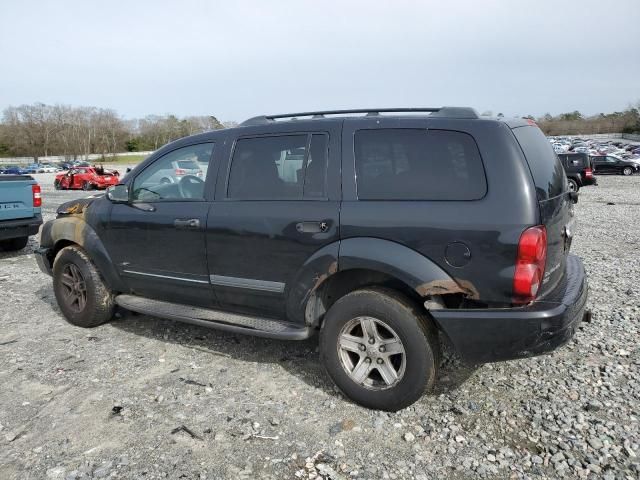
{"points": [[277, 204], [556, 209]]}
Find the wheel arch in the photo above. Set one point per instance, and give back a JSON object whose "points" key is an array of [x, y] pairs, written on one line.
{"points": [[72, 230], [360, 262]]}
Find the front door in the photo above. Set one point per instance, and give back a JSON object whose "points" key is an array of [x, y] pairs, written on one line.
{"points": [[277, 204], [157, 240]]}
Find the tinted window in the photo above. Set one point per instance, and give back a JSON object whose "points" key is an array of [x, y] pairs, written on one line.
{"points": [[315, 178], [168, 179], [547, 171], [417, 164], [279, 167]]}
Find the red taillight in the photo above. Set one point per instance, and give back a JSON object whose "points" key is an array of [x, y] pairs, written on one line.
{"points": [[37, 197], [180, 171], [530, 263], [588, 173]]}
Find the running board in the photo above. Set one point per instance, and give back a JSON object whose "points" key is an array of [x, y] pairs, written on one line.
{"points": [[206, 317]]}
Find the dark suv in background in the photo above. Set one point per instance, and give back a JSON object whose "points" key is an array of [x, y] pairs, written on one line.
{"points": [[579, 170], [388, 231]]}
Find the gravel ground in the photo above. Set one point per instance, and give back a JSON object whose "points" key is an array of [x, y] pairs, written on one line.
{"points": [[149, 398]]}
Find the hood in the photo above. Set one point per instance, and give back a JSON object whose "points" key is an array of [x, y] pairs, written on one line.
{"points": [[77, 207]]}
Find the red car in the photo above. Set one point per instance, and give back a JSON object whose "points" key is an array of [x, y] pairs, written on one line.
{"points": [[86, 178]]}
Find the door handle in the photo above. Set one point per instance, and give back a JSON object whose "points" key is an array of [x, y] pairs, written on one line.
{"points": [[312, 227], [186, 223]]}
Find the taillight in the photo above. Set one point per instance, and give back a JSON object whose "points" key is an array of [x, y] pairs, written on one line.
{"points": [[530, 263], [37, 197], [180, 171], [588, 173]]}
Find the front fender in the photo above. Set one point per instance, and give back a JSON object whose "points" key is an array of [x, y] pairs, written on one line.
{"points": [[403, 263], [75, 230]]}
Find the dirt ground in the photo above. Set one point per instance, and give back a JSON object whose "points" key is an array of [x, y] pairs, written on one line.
{"points": [[148, 398]]}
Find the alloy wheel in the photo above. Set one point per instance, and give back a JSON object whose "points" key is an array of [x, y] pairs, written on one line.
{"points": [[74, 287], [371, 353]]}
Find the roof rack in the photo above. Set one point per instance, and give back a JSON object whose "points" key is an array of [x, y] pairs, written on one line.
{"points": [[449, 112]]}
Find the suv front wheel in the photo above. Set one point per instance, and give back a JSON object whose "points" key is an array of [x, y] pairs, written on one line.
{"points": [[379, 349], [81, 293]]}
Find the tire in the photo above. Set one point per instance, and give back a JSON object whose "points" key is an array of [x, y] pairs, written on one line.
{"points": [[627, 171], [411, 332], [86, 186], [56, 185], [14, 244], [573, 185], [72, 269]]}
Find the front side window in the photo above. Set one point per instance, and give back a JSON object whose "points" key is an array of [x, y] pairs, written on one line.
{"points": [[279, 167], [178, 175], [418, 164]]}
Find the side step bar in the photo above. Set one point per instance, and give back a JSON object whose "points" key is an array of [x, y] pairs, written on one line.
{"points": [[206, 317]]}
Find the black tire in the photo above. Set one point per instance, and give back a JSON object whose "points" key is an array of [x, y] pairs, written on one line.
{"points": [[99, 302], [14, 244], [626, 171], [56, 184], [415, 331], [573, 185], [86, 186]]}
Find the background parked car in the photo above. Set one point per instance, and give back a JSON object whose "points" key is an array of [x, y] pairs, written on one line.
{"points": [[610, 164], [86, 178], [13, 170], [578, 169]]}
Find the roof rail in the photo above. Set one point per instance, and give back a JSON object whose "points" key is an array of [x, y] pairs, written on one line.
{"points": [[449, 112]]}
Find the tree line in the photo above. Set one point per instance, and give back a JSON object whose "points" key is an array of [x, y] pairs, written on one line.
{"points": [[39, 130], [573, 123]]}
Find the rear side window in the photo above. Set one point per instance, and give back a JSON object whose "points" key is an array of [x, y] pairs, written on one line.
{"points": [[547, 171], [279, 167], [418, 164]]}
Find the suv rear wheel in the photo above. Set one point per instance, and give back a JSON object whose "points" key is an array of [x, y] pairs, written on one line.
{"points": [[573, 185], [379, 349], [81, 293]]}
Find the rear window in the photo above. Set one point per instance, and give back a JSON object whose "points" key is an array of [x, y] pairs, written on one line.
{"points": [[187, 164], [418, 164], [574, 160], [547, 171]]}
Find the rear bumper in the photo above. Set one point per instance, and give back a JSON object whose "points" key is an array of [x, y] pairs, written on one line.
{"points": [[491, 335], [22, 227]]}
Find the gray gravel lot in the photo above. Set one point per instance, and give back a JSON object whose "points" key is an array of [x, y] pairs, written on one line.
{"points": [[149, 398]]}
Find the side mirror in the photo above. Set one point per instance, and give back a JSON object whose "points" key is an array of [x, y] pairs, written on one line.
{"points": [[118, 194]]}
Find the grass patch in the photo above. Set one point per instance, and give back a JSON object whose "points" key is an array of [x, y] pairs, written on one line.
{"points": [[126, 159]]}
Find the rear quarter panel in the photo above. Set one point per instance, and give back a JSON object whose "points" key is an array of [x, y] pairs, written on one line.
{"points": [[489, 227]]}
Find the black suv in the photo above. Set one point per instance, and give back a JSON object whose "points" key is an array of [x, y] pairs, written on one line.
{"points": [[578, 169], [615, 165], [387, 234]]}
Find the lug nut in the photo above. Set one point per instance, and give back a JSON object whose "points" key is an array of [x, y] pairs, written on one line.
{"points": [[372, 341], [380, 361], [382, 349], [367, 360], [362, 348]]}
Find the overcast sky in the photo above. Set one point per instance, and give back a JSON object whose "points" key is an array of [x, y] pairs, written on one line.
{"points": [[237, 59]]}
